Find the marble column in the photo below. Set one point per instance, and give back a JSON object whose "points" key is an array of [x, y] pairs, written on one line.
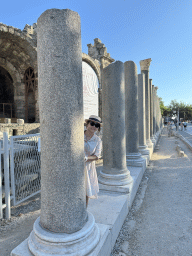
{"points": [[115, 173], [131, 115], [143, 149], [64, 227], [144, 64]]}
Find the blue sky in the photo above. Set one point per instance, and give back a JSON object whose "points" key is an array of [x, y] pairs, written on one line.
{"points": [[131, 30]]}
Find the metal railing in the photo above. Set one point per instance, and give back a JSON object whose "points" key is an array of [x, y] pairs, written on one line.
{"points": [[5, 199], [22, 179], [25, 167]]}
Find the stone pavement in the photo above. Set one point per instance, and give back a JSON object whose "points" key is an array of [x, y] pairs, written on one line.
{"points": [[187, 134], [160, 220]]}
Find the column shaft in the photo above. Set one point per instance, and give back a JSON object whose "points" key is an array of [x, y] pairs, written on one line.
{"points": [[154, 109], [151, 108], [63, 206], [115, 170], [131, 115], [141, 115], [145, 70]]}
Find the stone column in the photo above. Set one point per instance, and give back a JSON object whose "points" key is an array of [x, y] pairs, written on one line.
{"points": [[115, 175], [64, 227], [158, 115], [154, 110], [151, 111], [131, 115], [144, 64], [143, 149]]}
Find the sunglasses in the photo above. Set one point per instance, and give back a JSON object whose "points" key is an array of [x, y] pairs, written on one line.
{"points": [[97, 125]]}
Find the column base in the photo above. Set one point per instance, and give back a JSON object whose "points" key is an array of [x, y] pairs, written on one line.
{"points": [[153, 139], [115, 179], [121, 189], [144, 150], [135, 159], [41, 242], [149, 143], [157, 135]]}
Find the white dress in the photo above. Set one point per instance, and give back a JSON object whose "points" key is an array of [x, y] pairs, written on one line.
{"points": [[92, 147]]}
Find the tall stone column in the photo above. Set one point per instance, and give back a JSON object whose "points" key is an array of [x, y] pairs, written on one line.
{"points": [[144, 64], [64, 227], [143, 149], [131, 115], [151, 111], [154, 110], [115, 173], [158, 115]]}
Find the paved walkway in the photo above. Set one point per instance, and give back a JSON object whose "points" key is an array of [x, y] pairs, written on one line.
{"points": [[160, 221], [187, 134]]}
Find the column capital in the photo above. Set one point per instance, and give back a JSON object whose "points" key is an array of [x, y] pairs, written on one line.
{"points": [[144, 64]]}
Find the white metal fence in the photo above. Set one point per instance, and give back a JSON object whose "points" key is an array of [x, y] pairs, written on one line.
{"points": [[20, 169], [4, 177]]}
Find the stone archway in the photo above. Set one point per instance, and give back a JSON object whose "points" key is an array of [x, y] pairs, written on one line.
{"points": [[95, 65], [30, 102], [6, 94], [18, 52]]}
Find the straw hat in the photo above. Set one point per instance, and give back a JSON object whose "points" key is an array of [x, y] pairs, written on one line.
{"points": [[94, 118]]}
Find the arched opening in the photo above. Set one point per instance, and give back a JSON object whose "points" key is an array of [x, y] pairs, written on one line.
{"points": [[6, 94], [31, 106], [30, 87], [90, 90]]}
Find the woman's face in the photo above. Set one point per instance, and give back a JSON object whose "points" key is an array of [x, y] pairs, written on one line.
{"points": [[91, 127]]}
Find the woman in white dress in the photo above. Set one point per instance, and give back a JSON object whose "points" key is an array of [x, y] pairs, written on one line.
{"points": [[92, 149]]}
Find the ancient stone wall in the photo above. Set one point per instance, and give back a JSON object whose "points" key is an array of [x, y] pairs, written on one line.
{"points": [[20, 129], [18, 53]]}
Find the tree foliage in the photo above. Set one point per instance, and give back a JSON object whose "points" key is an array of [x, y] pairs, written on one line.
{"points": [[185, 110], [165, 111]]}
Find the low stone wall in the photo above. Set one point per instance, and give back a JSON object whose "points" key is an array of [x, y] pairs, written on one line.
{"points": [[17, 129]]}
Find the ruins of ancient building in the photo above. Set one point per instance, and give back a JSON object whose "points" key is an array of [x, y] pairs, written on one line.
{"points": [[19, 76]]}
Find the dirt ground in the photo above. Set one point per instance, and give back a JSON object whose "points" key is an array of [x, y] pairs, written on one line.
{"points": [[16, 230]]}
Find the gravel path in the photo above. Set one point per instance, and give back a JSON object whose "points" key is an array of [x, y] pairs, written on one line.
{"points": [[160, 221], [15, 231]]}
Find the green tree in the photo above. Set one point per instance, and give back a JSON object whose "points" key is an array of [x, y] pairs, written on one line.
{"points": [[185, 110], [165, 111]]}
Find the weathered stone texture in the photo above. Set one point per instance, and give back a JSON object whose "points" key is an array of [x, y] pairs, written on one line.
{"points": [[99, 51], [115, 172], [63, 207]]}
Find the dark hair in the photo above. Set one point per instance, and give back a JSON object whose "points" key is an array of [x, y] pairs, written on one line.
{"points": [[88, 121]]}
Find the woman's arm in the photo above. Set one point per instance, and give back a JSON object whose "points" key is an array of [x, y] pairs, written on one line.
{"points": [[91, 158]]}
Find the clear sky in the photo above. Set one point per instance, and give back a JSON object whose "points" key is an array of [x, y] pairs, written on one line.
{"points": [[131, 30]]}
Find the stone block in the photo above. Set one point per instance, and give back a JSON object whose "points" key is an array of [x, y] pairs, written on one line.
{"points": [[20, 121]]}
